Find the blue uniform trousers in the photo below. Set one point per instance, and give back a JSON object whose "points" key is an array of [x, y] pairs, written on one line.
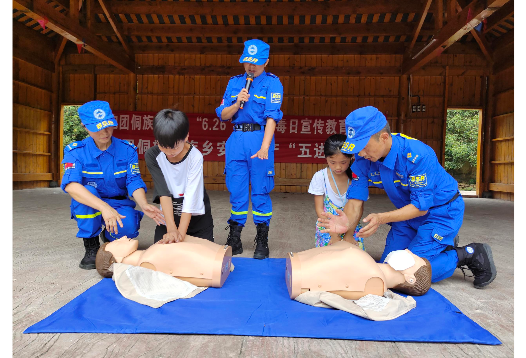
{"points": [[89, 220], [428, 236], [240, 169]]}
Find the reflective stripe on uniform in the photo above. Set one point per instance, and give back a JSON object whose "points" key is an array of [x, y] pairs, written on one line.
{"points": [[261, 214], [239, 212], [398, 181], [92, 172], [88, 216], [123, 171]]}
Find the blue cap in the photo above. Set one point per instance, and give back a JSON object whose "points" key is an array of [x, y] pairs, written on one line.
{"points": [[256, 52], [360, 125], [96, 115]]}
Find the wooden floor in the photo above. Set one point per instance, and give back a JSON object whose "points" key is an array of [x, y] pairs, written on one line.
{"points": [[46, 276]]}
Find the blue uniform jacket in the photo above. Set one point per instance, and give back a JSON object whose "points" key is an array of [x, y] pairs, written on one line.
{"points": [[113, 172], [266, 94], [410, 174]]}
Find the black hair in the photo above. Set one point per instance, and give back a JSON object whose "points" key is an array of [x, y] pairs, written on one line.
{"points": [[333, 145], [169, 127], [385, 129]]}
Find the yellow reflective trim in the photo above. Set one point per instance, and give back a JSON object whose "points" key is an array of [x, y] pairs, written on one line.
{"points": [[403, 135], [239, 212], [398, 181], [233, 96], [261, 214], [259, 96], [123, 171], [92, 172], [375, 182], [88, 216]]}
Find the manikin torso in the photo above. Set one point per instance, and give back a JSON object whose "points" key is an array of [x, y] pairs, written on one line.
{"points": [[344, 269], [198, 261], [341, 268]]}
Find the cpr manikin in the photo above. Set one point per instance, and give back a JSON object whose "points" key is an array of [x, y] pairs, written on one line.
{"points": [[198, 261], [344, 269]]}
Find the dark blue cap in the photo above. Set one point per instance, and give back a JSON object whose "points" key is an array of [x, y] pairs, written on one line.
{"points": [[360, 125], [256, 52], [96, 115]]}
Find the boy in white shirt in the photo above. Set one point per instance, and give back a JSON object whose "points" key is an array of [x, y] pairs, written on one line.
{"points": [[177, 172]]}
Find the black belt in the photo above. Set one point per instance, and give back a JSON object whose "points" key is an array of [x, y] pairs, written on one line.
{"points": [[122, 197], [450, 200], [248, 127]]}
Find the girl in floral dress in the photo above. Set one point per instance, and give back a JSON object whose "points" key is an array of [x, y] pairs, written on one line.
{"points": [[329, 186]]}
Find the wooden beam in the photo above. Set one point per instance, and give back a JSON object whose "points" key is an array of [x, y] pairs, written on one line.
{"points": [[371, 29], [60, 50], [74, 10], [453, 31], [479, 38], [505, 188], [67, 27], [403, 103], [32, 47], [488, 127], [279, 71], [444, 117], [113, 22], [503, 41], [32, 176], [418, 27], [90, 15], [263, 8], [296, 49], [499, 15], [439, 14]]}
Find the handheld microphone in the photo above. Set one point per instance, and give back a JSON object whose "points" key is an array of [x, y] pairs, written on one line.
{"points": [[250, 78]]}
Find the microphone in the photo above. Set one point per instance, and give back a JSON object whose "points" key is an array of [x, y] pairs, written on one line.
{"points": [[250, 78]]}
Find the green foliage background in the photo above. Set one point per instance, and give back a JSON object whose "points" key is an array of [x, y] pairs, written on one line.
{"points": [[461, 139], [73, 130]]}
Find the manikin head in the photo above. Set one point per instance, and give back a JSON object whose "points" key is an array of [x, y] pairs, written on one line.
{"points": [[416, 271], [114, 251]]}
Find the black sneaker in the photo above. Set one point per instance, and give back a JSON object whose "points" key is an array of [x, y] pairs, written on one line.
{"points": [[234, 237], [261, 241], [92, 246], [479, 260]]}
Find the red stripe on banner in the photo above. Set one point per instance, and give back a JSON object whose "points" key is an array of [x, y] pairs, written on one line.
{"points": [[298, 139]]}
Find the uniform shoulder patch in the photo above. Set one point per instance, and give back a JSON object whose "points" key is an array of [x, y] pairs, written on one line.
{"points": [[74, 145], [124, 141], [272, 75]]}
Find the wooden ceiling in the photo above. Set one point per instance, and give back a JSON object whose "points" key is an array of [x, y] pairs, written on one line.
{"points": [[418, 29]]}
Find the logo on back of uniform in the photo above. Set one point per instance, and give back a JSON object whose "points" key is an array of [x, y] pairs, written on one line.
{"points": [[275, 97], [350, 132], [252, 50], [99, 113]]}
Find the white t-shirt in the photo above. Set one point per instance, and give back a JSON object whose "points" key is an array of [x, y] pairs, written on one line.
{"points": [[178, 180], [320, 179]]}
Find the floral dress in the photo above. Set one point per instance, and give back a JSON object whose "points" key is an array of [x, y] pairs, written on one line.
{"points": [[322, 239]]}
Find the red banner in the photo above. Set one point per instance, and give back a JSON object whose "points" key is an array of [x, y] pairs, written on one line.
{"points": [[297, 139]]}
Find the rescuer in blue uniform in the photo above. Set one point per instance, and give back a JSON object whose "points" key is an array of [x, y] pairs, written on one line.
{"points": [[429, 206], [250, 147], [100, 173]]}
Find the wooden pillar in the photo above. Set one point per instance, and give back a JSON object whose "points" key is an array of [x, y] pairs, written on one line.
{"points": [[444, 116], [439, 14], [132, 92], [403, 104], [487, 134], [55, 128]]}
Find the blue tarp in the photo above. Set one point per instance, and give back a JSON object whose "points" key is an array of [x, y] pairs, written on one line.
{"points": [[254, 302]]}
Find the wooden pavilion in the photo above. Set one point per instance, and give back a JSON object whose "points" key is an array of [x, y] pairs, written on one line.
{"points": [[331, 56]]}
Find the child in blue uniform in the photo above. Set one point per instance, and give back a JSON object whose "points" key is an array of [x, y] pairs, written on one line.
{"points": [[100, 173], [250, 147], [329, 187]]}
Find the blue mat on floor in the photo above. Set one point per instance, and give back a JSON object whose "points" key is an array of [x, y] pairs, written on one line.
{"points": [[254, 302]]}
